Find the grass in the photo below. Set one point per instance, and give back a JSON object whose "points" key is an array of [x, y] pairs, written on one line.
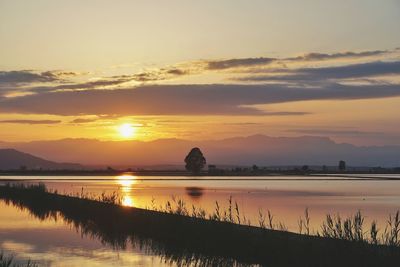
{"points": [[9, 261], [351, 228], [225, 237]]}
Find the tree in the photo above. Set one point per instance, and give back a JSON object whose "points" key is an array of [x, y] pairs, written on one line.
{"points": [[195, 161], [305, 168], [324, 168], [342, 165], [255, 168]]}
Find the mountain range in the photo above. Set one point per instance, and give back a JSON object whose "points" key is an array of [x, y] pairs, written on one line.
{"points": [[256, 149]]}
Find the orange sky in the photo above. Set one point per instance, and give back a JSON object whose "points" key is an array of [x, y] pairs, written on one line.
{"points": [[199, 71]]}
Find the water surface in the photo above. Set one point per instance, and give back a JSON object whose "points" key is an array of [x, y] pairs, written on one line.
{"points": [[57, 243]]}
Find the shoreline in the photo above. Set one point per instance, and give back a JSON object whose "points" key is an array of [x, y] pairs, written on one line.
{"points": [[272, 178], [203, 176]]}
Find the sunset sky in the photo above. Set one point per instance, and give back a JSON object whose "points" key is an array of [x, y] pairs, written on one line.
{"points": [[145, 70]]}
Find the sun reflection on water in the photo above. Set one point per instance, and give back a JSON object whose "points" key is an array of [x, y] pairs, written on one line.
{"points": [[126, 182], [127, 201]]}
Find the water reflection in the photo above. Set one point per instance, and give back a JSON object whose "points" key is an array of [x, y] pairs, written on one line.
{"points": [[194, 191], [60, 247], [126, 182], [127, 201]]}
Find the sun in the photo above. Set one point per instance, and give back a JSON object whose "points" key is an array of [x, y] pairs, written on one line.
{"points": [[127, 130]]}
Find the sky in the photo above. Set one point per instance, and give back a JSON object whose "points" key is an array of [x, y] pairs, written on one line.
{"points": [[198, 70]]}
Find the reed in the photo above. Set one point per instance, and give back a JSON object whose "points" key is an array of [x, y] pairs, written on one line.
{"points": [[352, 229], [261, 219], [304, 223], [9, 261], [391, 235]]}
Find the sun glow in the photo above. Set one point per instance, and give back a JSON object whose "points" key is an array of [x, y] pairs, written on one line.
{"points": [[127, 130]]}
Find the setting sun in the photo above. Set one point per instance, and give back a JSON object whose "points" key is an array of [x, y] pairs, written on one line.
{"points": [[127, 130]]}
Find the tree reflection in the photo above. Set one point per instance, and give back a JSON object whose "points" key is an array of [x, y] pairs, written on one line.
{"points": [[194, 191]]}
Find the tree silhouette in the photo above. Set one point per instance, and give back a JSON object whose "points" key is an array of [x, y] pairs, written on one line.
{"points": [[305, 168], [255, 168], [342, 165], [195, 161]]}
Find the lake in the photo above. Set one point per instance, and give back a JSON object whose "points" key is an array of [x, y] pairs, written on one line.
{"points": [[56, 242]]}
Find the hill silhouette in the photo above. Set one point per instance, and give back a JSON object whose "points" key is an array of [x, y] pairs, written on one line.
{"points": [[11, 159]]}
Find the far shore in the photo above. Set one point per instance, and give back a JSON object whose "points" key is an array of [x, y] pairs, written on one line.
{"points": [[204, 175]]}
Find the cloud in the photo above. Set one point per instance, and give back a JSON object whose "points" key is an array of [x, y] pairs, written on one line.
{"points": [[242, 123], [82, 120], [30, 76], [113, 81], [348, 54], [259, 61], [22, 84], [238, 62], [159, 75], [62, 74], [26, 76], [198, 67], [31, 121], [211, 99], [16, 83], [362, 70]]}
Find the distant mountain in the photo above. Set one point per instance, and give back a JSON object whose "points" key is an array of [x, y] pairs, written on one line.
{"points": [[257, 149], [11, 159]]}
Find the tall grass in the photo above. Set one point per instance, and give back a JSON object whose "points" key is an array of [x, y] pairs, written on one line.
{"points": [[5, 261], [352, 229], [304, 223], [391, 233], [9, 261]]}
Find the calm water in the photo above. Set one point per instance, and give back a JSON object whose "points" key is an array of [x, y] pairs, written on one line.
{"points": [[57, 243]]}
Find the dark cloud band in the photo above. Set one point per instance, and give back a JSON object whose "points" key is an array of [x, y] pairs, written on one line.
{"points": [[213, 99], [363, 70], [31, 121]]}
